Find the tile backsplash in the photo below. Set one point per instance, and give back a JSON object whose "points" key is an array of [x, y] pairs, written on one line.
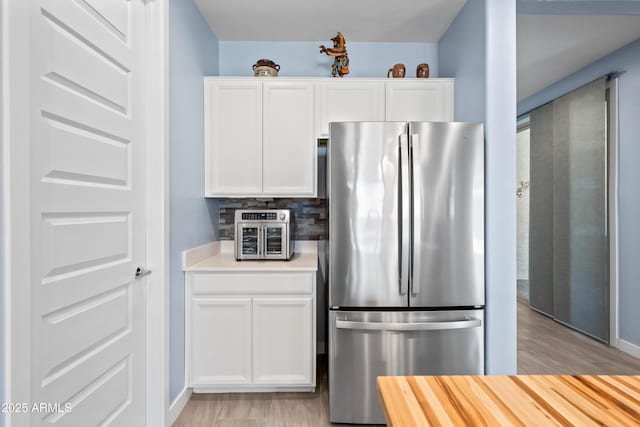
{"points": [[310, 215]]}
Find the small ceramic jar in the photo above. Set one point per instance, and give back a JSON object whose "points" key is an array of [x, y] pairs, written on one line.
{"points": [[422, 72], [265, 68], [397, 71]]}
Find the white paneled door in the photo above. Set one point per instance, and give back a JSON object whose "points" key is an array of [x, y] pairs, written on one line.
{"points": [[88, 211]]}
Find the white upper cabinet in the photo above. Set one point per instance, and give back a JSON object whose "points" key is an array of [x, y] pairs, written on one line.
{"points": [[259, 138], [233, 137], [260, 133], [288, 149], [420, 100], [345, 101]]}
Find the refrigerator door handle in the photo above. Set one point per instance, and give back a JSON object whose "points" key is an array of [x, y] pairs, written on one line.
{"points": [[416, 226], [413, 326], [404, 208]]}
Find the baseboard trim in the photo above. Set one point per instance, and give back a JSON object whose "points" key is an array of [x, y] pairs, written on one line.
{"points": [[629, 348], [178, 405], [254, 389]]}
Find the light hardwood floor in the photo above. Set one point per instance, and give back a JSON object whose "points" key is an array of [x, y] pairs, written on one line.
{"points": [[261, 409], [544, 347]]}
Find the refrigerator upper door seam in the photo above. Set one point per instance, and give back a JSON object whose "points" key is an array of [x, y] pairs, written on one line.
{"points": [[405, 212]]}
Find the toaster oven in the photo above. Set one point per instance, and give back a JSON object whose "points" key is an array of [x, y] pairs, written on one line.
{"points": [[263, 234]]}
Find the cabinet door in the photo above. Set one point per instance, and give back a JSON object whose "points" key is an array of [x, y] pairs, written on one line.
{"points": [[233, 138], [221, 341], [282, 341], [420, 100], [346, 101], [289, 145]]}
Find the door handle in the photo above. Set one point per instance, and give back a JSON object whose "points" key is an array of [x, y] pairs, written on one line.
{"points": [[413, 326], [404, 219], [416, 226], [141, 272]]}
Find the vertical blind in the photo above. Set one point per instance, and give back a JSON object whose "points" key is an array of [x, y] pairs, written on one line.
{"points": [[568, 210]]}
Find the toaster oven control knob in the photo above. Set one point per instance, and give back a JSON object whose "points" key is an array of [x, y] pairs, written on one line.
{"points": [[283, 216]]}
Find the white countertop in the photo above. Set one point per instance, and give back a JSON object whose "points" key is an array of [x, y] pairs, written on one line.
{"points": [[218, 256]]}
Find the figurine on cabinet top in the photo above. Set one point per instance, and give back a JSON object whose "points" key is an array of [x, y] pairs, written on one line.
{"points": [[340, 65]]}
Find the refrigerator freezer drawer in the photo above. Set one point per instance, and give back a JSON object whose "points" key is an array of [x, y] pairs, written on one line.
{"points": [[365, 345]]}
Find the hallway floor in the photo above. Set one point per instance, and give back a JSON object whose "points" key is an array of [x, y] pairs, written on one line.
{"points": [[546, 347]]}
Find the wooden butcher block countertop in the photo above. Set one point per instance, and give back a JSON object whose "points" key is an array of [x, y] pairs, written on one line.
{"points": [[521, 400]]}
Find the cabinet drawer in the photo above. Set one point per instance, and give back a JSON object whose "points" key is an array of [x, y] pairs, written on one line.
{"points": [[252, 283]]}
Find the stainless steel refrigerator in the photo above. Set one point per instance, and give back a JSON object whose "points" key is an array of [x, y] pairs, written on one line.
{"points": [[406, 257]]}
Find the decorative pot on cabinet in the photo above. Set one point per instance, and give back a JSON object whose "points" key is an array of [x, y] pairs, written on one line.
{"points": [[265, 68]]}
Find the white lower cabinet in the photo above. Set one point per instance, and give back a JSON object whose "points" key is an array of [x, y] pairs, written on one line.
{"points": [[251, 331], [221, 352], [282, 340]]}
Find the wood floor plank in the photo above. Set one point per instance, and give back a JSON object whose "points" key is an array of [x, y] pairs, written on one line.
{"points": [[246, 406]]}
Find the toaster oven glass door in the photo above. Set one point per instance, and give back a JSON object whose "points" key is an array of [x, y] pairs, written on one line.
{"points": [[275, 241], [250, 241]]}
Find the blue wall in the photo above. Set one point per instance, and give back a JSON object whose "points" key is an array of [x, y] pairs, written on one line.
{"points": [[303, 59], [193, 219], [626, 60], [461, 54], [479, 50]]}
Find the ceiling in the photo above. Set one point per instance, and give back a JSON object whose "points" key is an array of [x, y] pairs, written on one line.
{"points": [[359, 20], [551, 47]]}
